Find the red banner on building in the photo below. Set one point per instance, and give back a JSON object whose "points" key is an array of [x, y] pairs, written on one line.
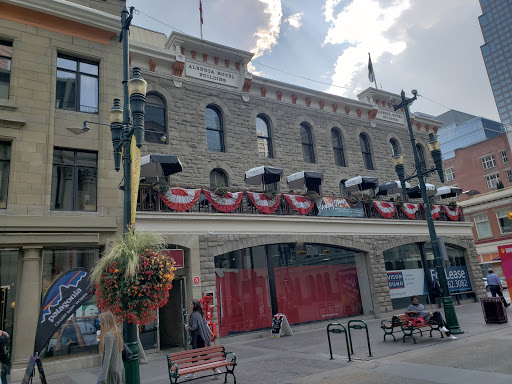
{"points": [[505, 252]]}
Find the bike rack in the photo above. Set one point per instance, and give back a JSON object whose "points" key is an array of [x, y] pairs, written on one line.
{"points": [[360, 325], [338, 330]]}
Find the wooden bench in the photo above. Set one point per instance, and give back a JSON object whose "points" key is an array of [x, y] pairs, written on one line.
{"points": [[403, 322], [199, 360]]}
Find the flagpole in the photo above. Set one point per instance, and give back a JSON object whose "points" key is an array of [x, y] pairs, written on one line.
{"points": [[201, 18]]}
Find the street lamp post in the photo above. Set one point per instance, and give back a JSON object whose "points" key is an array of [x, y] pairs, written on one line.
{"points": [[122, 130], [421, 173]]}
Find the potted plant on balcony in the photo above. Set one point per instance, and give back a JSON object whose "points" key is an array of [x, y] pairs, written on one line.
{"points": [[353, 199], [312, 195], [221, 190], [270, 194], [453, 204], [133, 278], [161, 186]]}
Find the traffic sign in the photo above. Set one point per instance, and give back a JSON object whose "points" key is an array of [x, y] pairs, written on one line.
{"points": [[197, 281]]}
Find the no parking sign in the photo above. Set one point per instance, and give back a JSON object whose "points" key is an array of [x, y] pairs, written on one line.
{"points": [[197, 281]]}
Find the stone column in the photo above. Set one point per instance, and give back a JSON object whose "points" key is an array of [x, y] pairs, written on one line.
{"points": [[27, 305], [379, 283], [364, 284]]}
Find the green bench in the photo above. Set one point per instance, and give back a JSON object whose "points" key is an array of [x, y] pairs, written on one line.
{"points": [[403, 323]]}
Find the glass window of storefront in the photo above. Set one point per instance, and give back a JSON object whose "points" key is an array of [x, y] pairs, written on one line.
{"points": [[411, 269], [78, 334], [8, 274], [307, 282]]}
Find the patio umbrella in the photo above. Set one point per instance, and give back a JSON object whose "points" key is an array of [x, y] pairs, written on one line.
{"points": [[415, 193], [308, 179], [263, 175], [471, 192], [445, 192], [157, 165], [361, 183], [391, 187]]}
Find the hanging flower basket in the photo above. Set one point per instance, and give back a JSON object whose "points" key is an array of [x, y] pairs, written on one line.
{"points": [[132, 280]]}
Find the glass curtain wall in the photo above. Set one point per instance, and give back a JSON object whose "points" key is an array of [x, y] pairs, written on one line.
{"points": [[306, 282]]}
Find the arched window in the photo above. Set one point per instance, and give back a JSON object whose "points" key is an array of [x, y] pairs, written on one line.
{"points": [[263, 134], [214, 129], [366, 151], [421, 155], [395, 148], [306, 140], [337, 147], [154, 119], [218, 177]]}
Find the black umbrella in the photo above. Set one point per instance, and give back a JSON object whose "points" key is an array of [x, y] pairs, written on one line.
{"points": [[391, 187], [308, 179], [415, 193], [156, 165], [361, 183], [263, 175], [446, 192]]}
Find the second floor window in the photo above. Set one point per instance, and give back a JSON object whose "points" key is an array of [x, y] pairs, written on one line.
{"points": [[74, 180], [5, 68], [366, 151], [337, 147], [488, 162], [483, 229], [5, 166], [394, 146], [504, 157], [449, 174], [492, 180], [77, 85], [263, 134], [214, 129], [154, 120], [306, 140]]}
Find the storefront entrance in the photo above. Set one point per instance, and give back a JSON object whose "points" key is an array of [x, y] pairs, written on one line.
{"points": [[173, 316]]}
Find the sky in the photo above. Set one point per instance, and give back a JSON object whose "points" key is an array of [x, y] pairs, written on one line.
{"points": [[432, 46]]}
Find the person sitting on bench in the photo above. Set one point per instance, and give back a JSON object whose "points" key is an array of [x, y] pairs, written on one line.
{"points": [[416, 310]]}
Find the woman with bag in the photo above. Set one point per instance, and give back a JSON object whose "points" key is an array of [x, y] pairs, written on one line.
{"points": [[111, 348], [200, 333]]}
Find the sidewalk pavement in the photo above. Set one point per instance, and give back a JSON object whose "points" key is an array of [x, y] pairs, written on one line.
{"points": [[483, 354]]}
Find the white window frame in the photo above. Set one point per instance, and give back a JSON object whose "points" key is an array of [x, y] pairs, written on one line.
{"points": [[479, 219], [488, 179], [504, 156], [449, 174], [509, 175], [502, 215], [488, 162]]}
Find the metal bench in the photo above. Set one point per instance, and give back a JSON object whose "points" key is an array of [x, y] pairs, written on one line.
{"points": [[199, 360], [403, 322]]}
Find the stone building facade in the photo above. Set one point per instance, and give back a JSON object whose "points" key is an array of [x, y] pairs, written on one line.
{"points": [[60, 196]]}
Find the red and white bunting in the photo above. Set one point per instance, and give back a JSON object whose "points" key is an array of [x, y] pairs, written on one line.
{"points": [[385, 208], [299, 203], [180, 199], [452, 213], [410, 210], [263, 203], [227, 203], [436, 210]]}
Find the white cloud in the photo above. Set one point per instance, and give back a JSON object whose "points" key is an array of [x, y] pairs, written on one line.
{"points": [[267, 36], [363, 24], [295, 20]]}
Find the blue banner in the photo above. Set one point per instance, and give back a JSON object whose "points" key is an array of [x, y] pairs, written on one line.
{"points": [[457, 277], [338, 206]]}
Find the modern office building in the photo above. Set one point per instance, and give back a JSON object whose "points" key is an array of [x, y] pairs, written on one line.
{"points": [[497, 52]]}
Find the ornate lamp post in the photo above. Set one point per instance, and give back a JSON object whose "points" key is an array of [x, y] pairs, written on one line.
{"points": [[122, 130], [421, 173]]}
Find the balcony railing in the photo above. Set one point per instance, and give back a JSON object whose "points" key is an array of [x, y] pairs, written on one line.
{"points": [[149, 201]]}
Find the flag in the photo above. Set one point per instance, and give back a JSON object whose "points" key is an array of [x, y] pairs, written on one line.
{"points": [[371, 75], [201, 11]]}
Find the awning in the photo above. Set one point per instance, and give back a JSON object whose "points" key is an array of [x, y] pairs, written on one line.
{"points": [[157, 165], [263, 175], [445, 192], [308, 179], [361, 183], [415, 193], [391, 187]]}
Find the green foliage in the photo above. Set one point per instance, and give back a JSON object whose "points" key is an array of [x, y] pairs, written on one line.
{"points": [[161, 186], [127, 249], [221, 190], [271, 194]]}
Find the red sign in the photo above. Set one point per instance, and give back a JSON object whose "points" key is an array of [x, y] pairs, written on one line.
{"points": [[505, 252], [177, 255], [196, 280]]}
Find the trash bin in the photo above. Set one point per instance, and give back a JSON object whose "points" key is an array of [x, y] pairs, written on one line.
{"points": [[494, 311]]}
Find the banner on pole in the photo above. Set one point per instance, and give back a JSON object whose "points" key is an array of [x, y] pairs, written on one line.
{"points": [[61, 300], [135, 172], [505, 252]]}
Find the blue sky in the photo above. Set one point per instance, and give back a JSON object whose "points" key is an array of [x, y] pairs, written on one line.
{"points": [[432, 46]]}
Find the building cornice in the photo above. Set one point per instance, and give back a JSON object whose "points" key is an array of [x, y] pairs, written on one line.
{"points": [[71, 11]]}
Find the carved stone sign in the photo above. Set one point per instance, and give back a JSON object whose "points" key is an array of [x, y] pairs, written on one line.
{"points": [[213, 74], [391, 116]]}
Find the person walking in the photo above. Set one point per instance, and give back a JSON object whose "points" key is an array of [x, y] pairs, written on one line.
{"points": [[4, 356], [199, 331], [111, 348], [416, 310], [495, 286]]}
